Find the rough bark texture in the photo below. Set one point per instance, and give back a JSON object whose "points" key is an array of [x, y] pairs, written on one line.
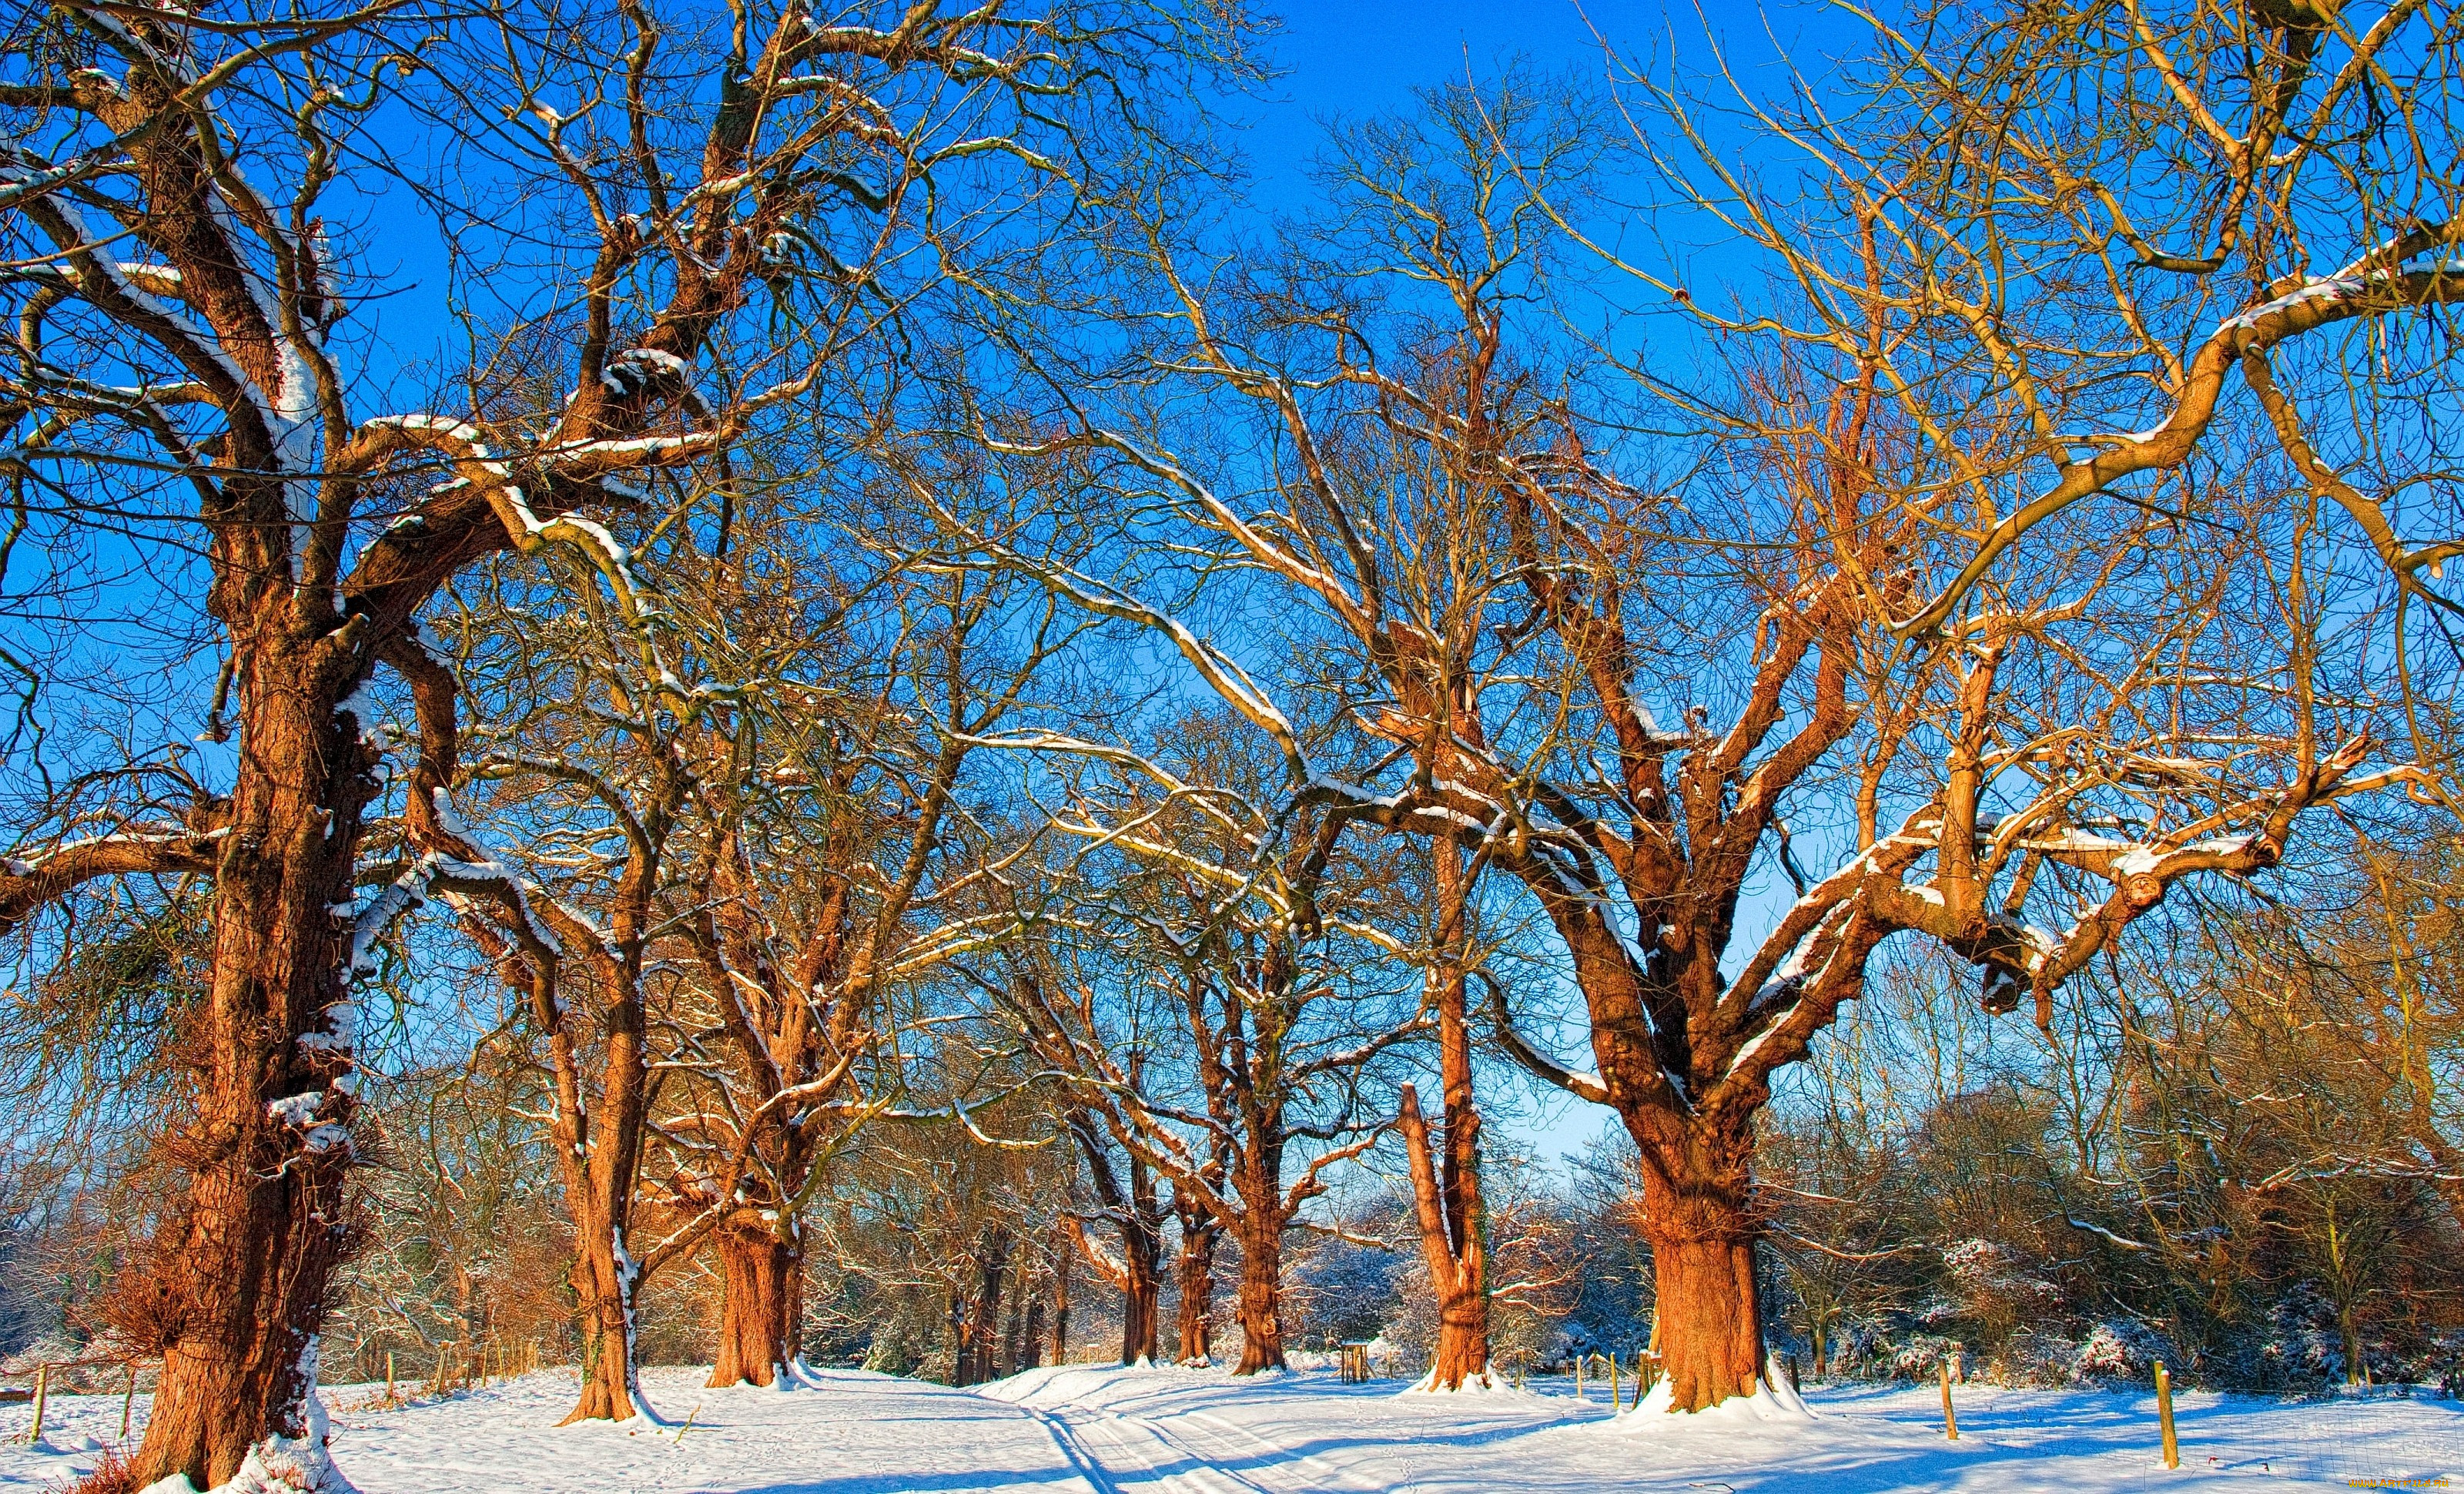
{"points": [[603, 1280], [1261, 1291], [236, 1292], [1445, 1188], [1707, 1309], [1141, 1305], [977, 1319], [762, 1276], [1194, 1279], [1455, 1254]]}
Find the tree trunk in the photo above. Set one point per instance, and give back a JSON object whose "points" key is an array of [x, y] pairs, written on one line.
{"points": [[980, 1320], [599, 1196], [1261, 1284], [1711, 1322], [1456, 1258], [1141, 1295], [603, 1281], [758, 1273], [1454, 1226], [1061, 1264], [1707, 1313], [1194, 1274], [1013, 1343], [235, 1287], [1033, 1356]]}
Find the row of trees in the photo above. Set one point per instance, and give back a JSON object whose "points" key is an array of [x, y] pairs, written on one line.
{"points": [[922, 623]]}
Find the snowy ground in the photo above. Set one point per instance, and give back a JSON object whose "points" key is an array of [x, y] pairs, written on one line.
{"points": [[1106, 1431]]}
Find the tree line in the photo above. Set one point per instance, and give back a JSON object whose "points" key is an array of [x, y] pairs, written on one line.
{"points": [[871, 690]]}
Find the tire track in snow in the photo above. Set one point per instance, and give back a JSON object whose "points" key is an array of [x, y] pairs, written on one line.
{"points": [[1105, 1451], [1329, 1475]]}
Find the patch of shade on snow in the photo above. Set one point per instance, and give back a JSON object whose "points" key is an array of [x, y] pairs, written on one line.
{"points": [[1082, 1429]]}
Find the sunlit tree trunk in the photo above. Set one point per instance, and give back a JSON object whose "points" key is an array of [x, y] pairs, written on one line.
{"points": [[1446, 1191], [236, 1290]]}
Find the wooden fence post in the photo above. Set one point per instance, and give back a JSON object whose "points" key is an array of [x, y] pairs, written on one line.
{"points": [[389, 1395], [1950, 1418], [128, 1400], [2165, 1415], [42, 1397]]}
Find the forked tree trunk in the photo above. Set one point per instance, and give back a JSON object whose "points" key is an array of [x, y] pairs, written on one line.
{"points": [[1262, 1287], [1194, 1278], [1454, 1251], [235, 1292], [1708, 1307], [1445, 1180], [603, 1282], [761, 1276]]}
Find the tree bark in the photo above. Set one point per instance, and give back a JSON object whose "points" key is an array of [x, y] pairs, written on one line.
{"points": [[760, 1275], [1707, 1310], [1033, 1352], [236, 1295], [1454, 1226], [1454, 1251], [979, 1321], [1194, 1278], [1262, 1286], [1061, 1269], [1141, 1298]]}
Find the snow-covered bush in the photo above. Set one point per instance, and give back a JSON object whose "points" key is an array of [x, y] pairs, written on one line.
{"points": [[2118, 1349]]}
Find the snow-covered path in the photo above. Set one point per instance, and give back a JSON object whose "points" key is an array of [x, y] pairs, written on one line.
{"points": [[1108, 1431]]}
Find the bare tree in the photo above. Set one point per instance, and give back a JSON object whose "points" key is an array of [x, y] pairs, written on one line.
{"points": [[2151, 235], [182, 305], [1418, 462], [1276, 1030]]}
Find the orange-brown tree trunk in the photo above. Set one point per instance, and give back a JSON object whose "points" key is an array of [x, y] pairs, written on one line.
{"points": [[1707, 1305], [1452, 1247], [760, 1277], [603, 1280], [234, 1292], [599, 1195], [1141, 1296], [1261, 1290], [1194, 1279], [1445, 1179]]}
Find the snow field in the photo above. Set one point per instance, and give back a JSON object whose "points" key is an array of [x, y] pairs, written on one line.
{"points": [[1102, 1430]]}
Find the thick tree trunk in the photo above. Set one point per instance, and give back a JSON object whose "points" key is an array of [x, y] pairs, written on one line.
{"points": [[1194, 1278], [1033, 1354], [1141, 1295], [1262, 1286], [235, 1289], [1710, 1323], [759, 1274], [1707, 1313]]}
